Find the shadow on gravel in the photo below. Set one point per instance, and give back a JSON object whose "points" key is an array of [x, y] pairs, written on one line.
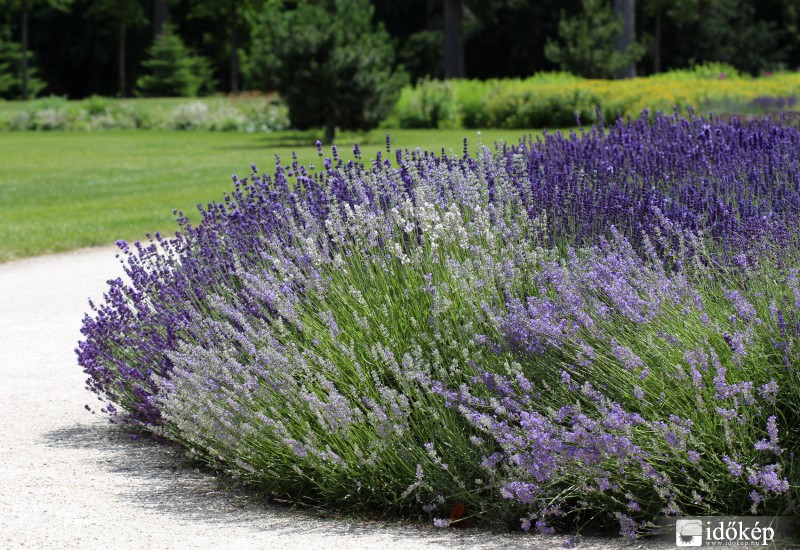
{"points": [[162, 480]]}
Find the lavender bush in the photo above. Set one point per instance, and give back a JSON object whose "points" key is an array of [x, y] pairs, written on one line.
{"points": [[576, 330]]}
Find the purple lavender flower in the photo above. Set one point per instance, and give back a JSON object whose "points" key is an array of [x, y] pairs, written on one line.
{"points": [[768, 478], [734, 468], [744, 309], [769, 391], [543, 528], [772, 444]]}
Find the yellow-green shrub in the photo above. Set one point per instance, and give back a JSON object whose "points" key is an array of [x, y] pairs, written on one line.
{"points": [[554, 99]]}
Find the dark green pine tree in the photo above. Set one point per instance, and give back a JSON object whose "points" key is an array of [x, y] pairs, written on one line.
{"points": [[173, 69], [126, 14], [330, 63], [24, 8], [231, 34], [11, 69], [588, 43]]}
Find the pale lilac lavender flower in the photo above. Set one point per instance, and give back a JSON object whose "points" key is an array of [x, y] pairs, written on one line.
{"points": [[768, 478], [734, 467], [772, 444], [769, 391], [543, 528]]}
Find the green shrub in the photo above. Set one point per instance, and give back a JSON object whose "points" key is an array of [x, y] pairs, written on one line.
{"points": [[265, 115], [226, 118], [94, 113], [190, 116], [433, 105], [102, 113], [252, 114], [470, 96], [555, 99], [98, 105], [49, 113], [709, 71], [116, 117]]}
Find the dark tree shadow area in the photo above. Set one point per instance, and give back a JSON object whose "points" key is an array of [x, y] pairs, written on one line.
{"points": [[308, 138]]}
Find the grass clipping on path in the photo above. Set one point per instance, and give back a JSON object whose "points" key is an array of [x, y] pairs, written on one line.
{"points": [[577, 332]]}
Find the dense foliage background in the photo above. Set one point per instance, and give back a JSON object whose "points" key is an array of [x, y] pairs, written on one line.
{"points": [[84, 47]]}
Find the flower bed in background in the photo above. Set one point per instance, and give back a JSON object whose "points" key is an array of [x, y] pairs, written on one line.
{"points": [[582, 330], [248, 113], [546, 100], [554, 100]]}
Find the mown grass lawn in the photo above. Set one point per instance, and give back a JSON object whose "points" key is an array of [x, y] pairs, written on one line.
{"points": [[67, 190]]}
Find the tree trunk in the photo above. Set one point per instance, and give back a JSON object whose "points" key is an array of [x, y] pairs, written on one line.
{"points": [[234, 47], [626, 11], [24, 60], [123, 29], [453, 39], [657, 45], [433, 21], [330, 130], [160, 16]]}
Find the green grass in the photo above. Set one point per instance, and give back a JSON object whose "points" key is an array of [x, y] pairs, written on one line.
{"points": [[66, 190]]}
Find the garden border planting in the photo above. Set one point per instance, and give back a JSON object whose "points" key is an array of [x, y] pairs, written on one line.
{"points": [[560, 334]]}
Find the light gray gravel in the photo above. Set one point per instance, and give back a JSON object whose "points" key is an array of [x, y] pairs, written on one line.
{"points": [[70, 480]]}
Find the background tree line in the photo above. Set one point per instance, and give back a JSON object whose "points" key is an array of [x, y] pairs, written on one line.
{"points": [[82, 47]]}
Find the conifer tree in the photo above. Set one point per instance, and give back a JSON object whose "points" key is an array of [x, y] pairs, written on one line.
{"points": [[173, 69], [330, 63]]}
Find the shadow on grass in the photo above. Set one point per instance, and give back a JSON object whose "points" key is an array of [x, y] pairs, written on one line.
{"points": [[303, 139]]}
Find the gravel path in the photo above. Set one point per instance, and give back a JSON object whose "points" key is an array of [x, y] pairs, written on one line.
{"points": [[71, 480]]}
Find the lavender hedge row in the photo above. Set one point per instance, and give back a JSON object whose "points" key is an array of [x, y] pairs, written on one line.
{"points": [[598, 323]]}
